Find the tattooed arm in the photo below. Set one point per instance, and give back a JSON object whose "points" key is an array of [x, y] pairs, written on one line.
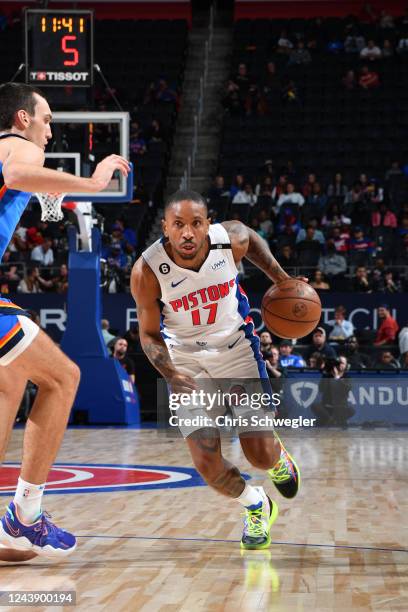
{"points": [[146, 293], [247, 243]]}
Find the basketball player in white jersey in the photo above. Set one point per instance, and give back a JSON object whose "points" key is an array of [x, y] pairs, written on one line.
{"points": [[194, 323], [26, 352]]}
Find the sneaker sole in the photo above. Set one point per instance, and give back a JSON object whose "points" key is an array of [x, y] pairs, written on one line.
{"points": [[24, 544], [272, 519]]}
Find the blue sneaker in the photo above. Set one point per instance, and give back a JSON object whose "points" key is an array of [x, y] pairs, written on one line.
{"points": [[42, 537]]}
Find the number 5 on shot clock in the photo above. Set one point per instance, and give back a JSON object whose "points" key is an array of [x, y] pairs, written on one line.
{"points": [[59, 48]]}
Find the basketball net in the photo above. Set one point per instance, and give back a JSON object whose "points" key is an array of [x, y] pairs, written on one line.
{"points": [[51, 206]]}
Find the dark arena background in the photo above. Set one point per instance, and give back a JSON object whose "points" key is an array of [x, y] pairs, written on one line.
{"points": [[292, 117]]}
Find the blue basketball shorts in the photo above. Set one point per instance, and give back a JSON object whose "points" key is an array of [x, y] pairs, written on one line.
{"points": [[17, 331]]}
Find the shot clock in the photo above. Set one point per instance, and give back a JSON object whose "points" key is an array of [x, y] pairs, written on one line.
{"points": [[59, 48]]}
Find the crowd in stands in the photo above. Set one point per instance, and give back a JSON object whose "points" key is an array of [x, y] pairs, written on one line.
{"points": [[381, 37], [36, 259], [383, 349], [123, 347], [343, 237], [332, 195], [326, 230], [347, 233]]}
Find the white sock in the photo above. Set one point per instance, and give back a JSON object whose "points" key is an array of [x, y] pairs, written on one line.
{"points": [[250, 496], [28, 498]]}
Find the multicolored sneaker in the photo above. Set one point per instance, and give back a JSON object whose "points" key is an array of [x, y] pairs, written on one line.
{"points": [[258, 522], [286, 474], [42, 537]]}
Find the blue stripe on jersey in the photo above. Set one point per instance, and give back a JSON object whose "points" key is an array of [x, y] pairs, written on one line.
{"points": [[12, 206], [248, 328], [243, 304]]}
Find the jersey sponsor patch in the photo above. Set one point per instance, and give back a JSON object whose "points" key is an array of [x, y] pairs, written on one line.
{"points": [[218, 264]]}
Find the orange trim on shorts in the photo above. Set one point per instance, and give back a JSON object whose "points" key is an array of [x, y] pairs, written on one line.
{"points": [[3, 191], [13, 331], [4, 304]]}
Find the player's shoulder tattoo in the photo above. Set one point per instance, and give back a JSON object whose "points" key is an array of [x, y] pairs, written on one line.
{"points": [[237, 231]]}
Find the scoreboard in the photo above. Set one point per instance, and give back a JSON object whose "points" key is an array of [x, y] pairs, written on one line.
{"points": [[59, 48]]}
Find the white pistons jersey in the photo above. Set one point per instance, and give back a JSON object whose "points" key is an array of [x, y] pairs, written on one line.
{"points": [[204, 309]]}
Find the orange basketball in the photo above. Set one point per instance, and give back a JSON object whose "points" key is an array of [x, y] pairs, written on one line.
{"points": [[291, 309]]}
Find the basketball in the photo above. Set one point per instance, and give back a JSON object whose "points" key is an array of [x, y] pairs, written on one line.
{"points": [[291, 309]]}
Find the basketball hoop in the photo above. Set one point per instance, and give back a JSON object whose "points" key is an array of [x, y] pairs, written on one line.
{"points": [[51, 206]]}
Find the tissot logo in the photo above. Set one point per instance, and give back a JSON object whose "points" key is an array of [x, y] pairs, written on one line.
{"points": [[41, 75], [218, 264]]}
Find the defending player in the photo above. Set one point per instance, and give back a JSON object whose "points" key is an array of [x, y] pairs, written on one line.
{"points": [[192, 273], [26, 352]]}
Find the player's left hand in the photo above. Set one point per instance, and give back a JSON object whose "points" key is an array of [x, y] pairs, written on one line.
{"points": [[302, 278]]}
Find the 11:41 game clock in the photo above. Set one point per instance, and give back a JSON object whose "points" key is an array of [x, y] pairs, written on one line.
{"points": [[59, 48]]}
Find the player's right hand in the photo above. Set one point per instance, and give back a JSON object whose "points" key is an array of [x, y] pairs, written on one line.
{"points": [[180, 383], [105, 169]]}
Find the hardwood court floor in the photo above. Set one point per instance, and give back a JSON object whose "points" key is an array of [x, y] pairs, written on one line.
{"points": [[341, 545]]}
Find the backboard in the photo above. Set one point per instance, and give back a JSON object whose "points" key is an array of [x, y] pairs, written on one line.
{"points": [[81, 140]]}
